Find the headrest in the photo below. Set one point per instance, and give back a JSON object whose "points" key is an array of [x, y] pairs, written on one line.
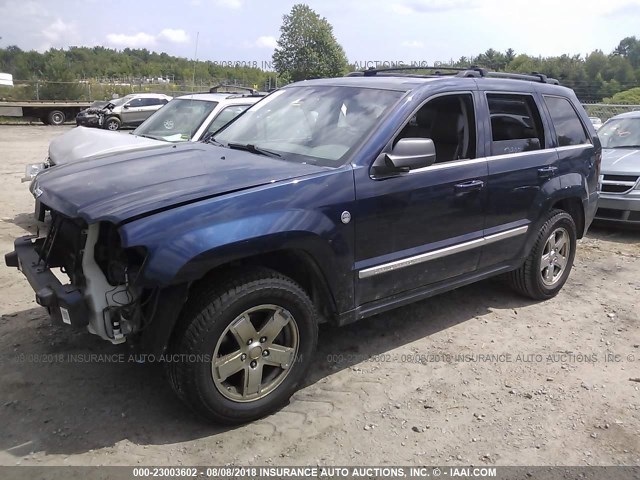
{"points": [[447, 127]]}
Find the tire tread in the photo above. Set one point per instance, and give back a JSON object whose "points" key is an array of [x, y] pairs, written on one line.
{"points": [[522, 279]]}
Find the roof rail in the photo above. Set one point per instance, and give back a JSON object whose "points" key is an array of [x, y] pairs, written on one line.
{"points": [[245, 95], [473, 71], [374, 71], [216, 89]]}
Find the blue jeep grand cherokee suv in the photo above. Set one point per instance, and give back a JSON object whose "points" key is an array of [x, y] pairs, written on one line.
{"points": [[328, 201]]}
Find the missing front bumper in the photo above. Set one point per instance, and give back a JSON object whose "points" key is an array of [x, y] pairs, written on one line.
{"points": [[66, 303]]}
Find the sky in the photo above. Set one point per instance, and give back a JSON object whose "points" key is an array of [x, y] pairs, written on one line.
{"points": [[369, 30]]}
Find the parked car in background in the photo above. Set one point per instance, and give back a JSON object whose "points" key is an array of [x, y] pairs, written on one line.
{"points": [[330, 200], [596, 122], [620, 180], [183, 119], [128, 111]]}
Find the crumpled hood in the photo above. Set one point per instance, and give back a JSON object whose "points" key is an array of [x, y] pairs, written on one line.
{"points": [[80, 143], [118, 187], [621, 161]]}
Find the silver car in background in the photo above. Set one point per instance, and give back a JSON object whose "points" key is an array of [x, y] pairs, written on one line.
{"points": [[620, 176], [132, 110]]}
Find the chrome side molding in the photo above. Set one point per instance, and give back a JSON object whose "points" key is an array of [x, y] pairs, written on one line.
{"points": [[440, 253]]}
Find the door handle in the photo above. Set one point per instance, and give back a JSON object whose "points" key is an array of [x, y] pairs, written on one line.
{"points": [[470, 186], [547, 172]]}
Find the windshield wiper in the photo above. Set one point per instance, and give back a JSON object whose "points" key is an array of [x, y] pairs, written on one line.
{"points": [[249, 147], [149, 136], [208, 138]]}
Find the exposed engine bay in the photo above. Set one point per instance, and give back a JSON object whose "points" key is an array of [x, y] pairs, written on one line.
{"points": [[102, 272], [100, 112]]}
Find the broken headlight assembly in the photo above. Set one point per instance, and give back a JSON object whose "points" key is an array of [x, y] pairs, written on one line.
{"points": [[31, 170]]}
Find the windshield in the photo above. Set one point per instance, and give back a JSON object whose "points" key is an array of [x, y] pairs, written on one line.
{"points": [[177, 121], [620, 133], [315, 124]]}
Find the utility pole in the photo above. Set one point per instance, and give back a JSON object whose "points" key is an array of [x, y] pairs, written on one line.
{"points": [[195, 60]]}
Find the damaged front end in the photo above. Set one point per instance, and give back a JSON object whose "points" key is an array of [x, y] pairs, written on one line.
{"points": [[102, 292], [94, 116]]}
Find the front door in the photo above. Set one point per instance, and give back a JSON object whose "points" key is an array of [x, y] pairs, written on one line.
{"points": [[426, 225], [131, 111]]}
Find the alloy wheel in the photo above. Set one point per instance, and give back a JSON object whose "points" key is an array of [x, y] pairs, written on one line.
{"points": [[555, 256], [255, 353]]}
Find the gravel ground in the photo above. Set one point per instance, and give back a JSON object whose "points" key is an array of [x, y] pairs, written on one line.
{"points": [[476, 376]]}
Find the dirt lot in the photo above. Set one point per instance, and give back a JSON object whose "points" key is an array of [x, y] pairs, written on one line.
{"points": [[502, 380]]}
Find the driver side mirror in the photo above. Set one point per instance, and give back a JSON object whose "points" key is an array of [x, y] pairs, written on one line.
{"points": [[126, 106], [406, 155]]}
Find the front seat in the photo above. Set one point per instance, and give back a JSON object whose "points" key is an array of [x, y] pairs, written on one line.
{"points": [[447, 134], [420, 125]]}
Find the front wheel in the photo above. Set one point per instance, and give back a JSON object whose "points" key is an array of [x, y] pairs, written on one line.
{"points": [[547, 267], [243, 346], [112, 123]]}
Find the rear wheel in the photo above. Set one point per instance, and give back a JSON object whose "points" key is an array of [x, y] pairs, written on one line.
{"points": [[242, 347], [56, 117], [112, 123], [547, 267]]}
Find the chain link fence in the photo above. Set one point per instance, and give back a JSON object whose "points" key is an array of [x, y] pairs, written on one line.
{"points": [[89, 91], [604, 111], [105, 90]]}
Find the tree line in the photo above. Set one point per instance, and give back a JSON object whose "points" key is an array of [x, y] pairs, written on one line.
{"points": [[82, 72], [307, 48]]}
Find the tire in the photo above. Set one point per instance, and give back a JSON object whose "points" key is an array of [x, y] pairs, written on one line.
{"points": [[56, 117], [233, 319], [547, 267], [112, 123]]}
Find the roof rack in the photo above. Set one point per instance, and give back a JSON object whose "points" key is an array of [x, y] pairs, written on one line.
{"points": [[216, 89], [245, 95], [473, 71]]}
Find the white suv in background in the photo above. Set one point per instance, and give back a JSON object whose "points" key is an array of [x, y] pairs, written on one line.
{"points": [[191, 117]]}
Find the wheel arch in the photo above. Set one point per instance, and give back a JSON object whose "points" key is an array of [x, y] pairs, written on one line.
{"points": [[574, 207], [296, 264], [557, 195]]}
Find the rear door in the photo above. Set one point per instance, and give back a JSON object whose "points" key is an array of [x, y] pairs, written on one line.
{"points": [[148, 107], [520, 159]]}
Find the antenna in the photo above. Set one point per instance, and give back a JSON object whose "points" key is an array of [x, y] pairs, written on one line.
{"points": [[195, 60]]}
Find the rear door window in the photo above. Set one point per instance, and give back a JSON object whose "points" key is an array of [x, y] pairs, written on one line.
{"points": [[151, 102], [516, 125], [569, 128]]}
